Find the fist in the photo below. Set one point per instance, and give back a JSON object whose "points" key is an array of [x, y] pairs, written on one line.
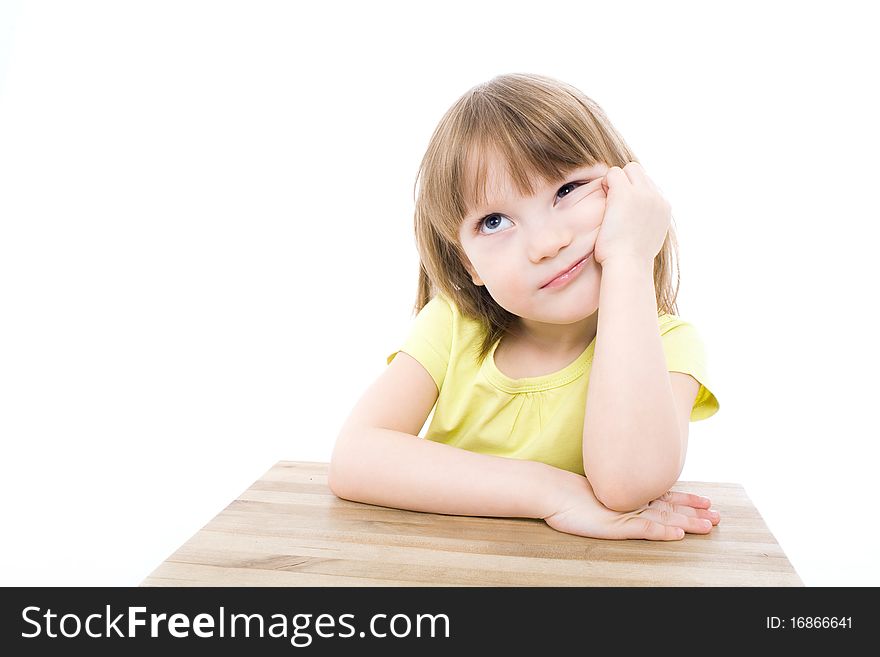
{"points": [[636, 219]]}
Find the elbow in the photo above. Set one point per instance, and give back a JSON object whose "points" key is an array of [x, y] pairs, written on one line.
{"points": [[620, 497], [351, 474], [341, 482], [631, 484], [339, 473], [627, 495], [335, 479]]}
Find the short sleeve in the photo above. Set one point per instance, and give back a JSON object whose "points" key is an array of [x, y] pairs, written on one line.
{"points": [[430, 338], [686, 353]]}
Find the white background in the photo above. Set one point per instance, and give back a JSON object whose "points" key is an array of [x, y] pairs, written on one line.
{"points": [[206, 245]]}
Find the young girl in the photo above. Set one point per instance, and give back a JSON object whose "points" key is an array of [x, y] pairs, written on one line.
{"points": [[532, 214]]}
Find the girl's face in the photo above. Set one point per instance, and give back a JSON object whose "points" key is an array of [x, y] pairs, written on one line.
{"points": [[516, 245]]}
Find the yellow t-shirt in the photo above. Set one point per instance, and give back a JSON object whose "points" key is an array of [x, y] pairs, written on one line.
{"points": [[537, 418]]}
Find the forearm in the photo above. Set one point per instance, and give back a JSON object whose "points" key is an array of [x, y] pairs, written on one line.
{"points": [[631, 445], [395, 469]]}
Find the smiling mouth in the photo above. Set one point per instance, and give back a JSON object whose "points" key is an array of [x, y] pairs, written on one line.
{"points": [[568, 271]]}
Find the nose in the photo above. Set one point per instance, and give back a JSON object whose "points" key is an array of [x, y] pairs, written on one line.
{"points": [[548, 238]]}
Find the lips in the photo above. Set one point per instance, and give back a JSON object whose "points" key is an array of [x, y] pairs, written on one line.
{"points": [[565, 271]]}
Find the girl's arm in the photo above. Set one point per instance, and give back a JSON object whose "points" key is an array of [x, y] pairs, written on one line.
{"points": [[379, 459], [634, 439]]}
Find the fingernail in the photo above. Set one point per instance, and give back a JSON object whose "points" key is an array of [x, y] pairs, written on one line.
{"points": [[715, 514]]}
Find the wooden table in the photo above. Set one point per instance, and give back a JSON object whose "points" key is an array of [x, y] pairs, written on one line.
{"points": [[288, 529]]}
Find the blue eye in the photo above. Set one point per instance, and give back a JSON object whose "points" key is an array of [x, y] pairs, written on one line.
{"points": [[490, 219], [493, 220]]}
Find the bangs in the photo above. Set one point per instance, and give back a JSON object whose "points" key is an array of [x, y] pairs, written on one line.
{"points": [[531, 147]]}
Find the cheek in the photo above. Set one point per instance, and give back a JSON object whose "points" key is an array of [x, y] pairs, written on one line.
{"points": [[593, 210], [504, 282]]}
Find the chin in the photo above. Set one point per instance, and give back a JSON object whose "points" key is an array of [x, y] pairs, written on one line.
{"points": [[575, 305], [572, 316], [555, 309], [559, 312]]}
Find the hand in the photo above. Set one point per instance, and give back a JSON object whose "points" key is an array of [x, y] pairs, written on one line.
{"points": [[636, 218], [665, 519]]}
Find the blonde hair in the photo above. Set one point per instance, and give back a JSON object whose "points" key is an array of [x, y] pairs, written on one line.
{"points": [[543, 129]]}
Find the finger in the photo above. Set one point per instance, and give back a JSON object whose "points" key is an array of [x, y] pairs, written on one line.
{"points": [[702, 514], [650, 530], [635, 172], [616, 176], [692, 525], [689, 499], [707, 514], [637, 175]]}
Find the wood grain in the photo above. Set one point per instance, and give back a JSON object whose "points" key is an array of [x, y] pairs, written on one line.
{"points": [[288, 529]]}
